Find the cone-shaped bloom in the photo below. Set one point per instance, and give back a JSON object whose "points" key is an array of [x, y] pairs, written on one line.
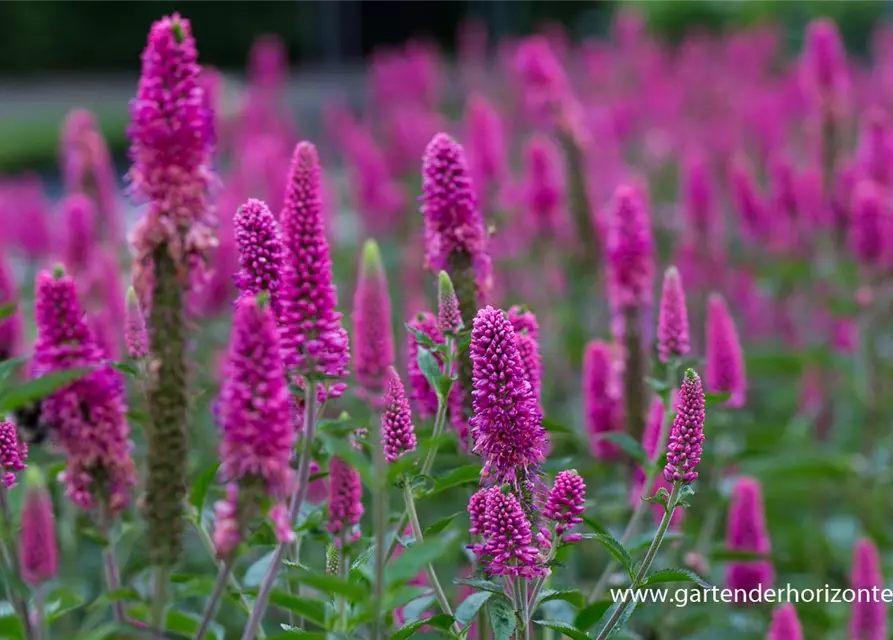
{"points": [[875, 151], [748, 202], [13, 453], [423, 395], [544, 188], [397, 431], [523, 320], [372, 334], [630, 250], [725, 359], [869, 613], [506, 424], [509, 545], [254, 413], [672, 324], [88, 415], [449, 320], [871, 225], [698, 198], [79, 222], [566, 501], [171, 140], [785, 624], [135, 328], [260, 252], [746, 532], [312, 336], [345, 498], [11, 326], [687, 432], [602, 407], [485, 142], [454, 226], [526, 331], [38, 547], [824, 61], [477, 511]]}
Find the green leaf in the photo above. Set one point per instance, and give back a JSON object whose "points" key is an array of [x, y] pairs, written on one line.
{"points": [[556, 427], [11, 627], [657, 385], [27, 392], [362, 559], [630, 445], [421, 337], [126, 594], [469, 608], [7, 367], [587, 618], [430, 368], [502, 618], [104, 631], [256, 571], [569, 630], [621, 621], [126, 368], [714, 399], [444, 386], [195, 587], [200, 487], [440, 621], [61, 601], [414, 559], [7, 309], [294, 632], [175, 621], [312, 610], [335, 585], [468, 474], [481, 585], [595, 525], [615, 549], [574, 597], [440, 525], [676, 574]]}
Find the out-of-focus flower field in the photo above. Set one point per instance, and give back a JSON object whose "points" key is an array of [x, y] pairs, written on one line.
{"points": [[555, 245]]}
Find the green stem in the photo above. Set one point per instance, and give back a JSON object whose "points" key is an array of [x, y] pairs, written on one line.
{"points": [[344, 572], [219, 586], [112, 575], [295, 556], [646, 563], [525, 608], [439, 594], [159, 597], [40, 630], [379, 525], [297, 498], [9, 554]]}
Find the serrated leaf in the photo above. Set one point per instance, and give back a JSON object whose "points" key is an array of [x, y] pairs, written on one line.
{"points": [[571, 596], [440, 525], [675, 574], [482, 585], [362, 559], [412, 560], [200, 487], [7, 309], [39, 388], [615, 549], [440, 621], [470, 473], [568, 630], [429, 367], [469, 607], [502, 618], [422, 338], [312, 610], [587, 618], [629, 608], [630, 445], [595, 525]]}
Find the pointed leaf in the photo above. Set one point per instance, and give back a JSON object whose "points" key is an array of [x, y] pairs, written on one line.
{"points": [[630, 445], [469, 608], [440, 525], [568, 630], [587, 618], [312, 610], [412, 560], [11, 627], [440, 621], [430, 368], [200, 487], [572, 596], [713, 399], [470, 473], [332, 584], [256, 571], [615, 549], [482, 585], [126, 368], [676, 574], [421, 337], [7, 367], [502, 618], [39, 388], [556, 427]]}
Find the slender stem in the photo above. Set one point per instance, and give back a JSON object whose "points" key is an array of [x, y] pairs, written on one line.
{"points": [[525, 608], [112, 575], [40, 631], [9, 553], [646, 563], [650, 476], [219, 586], [439, 594], [159, 596], [295, 556], [379, 524], [344, 572], [297, 498]]}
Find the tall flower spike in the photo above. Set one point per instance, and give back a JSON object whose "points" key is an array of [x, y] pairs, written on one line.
{"points": [[672, 324], [630, 250], [566, 501], [506, 424], [869, 616], [871, 226], [13, 453], [545, 187], [38, 547], [526, 331], [345, 498], [79, 221], [397, 432], [747, 533], [509, 546], [372, 333], [449, 320], [135, 328], [725, 359], [687, 432], [486, 142], [785, 624], [11, 326], [260, 252], [255, 418], [88, 415], [824, 61], [602, 408], [313, 340]]}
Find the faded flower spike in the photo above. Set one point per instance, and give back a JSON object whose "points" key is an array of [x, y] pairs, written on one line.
{"points": [[687, 432], [672, 324], [397, 431]]}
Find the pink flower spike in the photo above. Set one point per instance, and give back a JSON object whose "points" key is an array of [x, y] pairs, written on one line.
{"points": [[602, 397], [397, 432], [725, 358], [13, 453], [869, 616], [448, 318], [509, 547], [38, 546], [566, 501], [785, 624], [747, 533], [372, 333], [672, 324], [345, 497], [687, 432], [79, 221], [260, 252], [630, 251], [135, 328]]}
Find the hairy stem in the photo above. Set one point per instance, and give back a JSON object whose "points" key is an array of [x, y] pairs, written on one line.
{"points": [[297, 498]]}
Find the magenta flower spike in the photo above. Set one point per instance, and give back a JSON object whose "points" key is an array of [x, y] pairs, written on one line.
{"points": [[725, 359], [630, 251], [345, 497], [10, 327], [260, 252], [785, 624], [313, 339], [871, 225], [79, 221], [748, 202], [397, 431], [38, 546], [449, 319], [424, 397], [545, 188], [746, 532], [526, 333], [13, 453], [373, 338], [824, 69], [254, 413], [868, 619], [687, 432], [566, 501], [874, 155], [602, 402], [506, 425], [95, 438], [699, 198], [485, 141], [135, 328], [672, 324], [509, 548]]}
